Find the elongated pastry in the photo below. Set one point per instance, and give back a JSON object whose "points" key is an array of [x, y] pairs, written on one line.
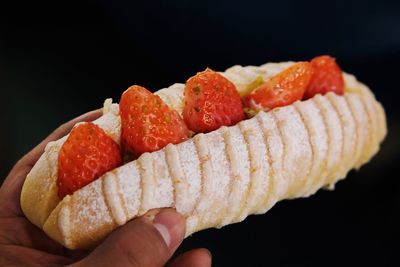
{"points": [[219, 177]]}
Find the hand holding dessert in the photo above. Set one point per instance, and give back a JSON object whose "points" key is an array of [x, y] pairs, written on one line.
{"points": [[219, 148]]}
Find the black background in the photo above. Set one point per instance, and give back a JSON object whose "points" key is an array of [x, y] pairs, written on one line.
{"points": [[61, 59]]}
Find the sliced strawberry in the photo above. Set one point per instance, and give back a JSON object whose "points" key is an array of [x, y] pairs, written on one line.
{"points": [[147, 123], [283, 89], [327, 77], [87, 154], [210, 102]]}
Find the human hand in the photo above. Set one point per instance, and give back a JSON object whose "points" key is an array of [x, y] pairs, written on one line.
{"points": [[149, 240]]}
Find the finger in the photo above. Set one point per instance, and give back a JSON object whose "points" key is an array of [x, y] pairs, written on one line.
{"points": [[147, 241], [11, 188], [194, 258]]}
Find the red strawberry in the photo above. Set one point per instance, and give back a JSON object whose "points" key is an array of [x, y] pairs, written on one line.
{"points": [[87, 154], [282, 89], [210, 102], [327, 77], [148, 124]]}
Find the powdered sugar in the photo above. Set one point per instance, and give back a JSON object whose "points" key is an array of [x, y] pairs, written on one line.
{"points": [[129, 187], [192, 180], [164, 191], [239, 166], [361, 118], [298, 152], [275, 151], [335, 136], [256, 166], [316, 130]]}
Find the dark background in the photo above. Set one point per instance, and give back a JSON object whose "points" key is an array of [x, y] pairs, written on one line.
{"points": [[61, 59]]}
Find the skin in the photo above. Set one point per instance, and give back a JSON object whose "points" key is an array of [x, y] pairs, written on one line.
{"points": [[23, 244]]}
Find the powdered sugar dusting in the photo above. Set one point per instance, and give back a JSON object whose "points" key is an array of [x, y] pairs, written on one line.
{"points": [[349, 131], [190, 165], [147, 182], [112, 196], [239, 165], [216, 187], [276, 149], [312, 118], [164, 192], [373, 121], [298, 153], [335, 138], [183, 200], [128, 178], [259, 167], [354, 102], [89, 209], [214, 183]]}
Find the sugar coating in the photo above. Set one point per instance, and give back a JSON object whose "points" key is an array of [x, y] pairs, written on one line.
{"points": [[113, 198], [207, 175], [128, 180], [213, 202], [190, 164], [373, 110], [275, 151], [192, 181], [163, 191], [359, 113], [298, 152], [370, 109], [314, 123], [257, 164], [89, 209], [147, 183], [348, 124], [335, 137], [238, 160], [179, 183]]}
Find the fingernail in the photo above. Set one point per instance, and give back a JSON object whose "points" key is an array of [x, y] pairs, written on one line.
{"points": [[150, 215], [171, 226]]}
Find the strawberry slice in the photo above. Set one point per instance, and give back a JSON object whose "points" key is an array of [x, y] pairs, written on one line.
{"points": [[211, 101], [282, 89], [87, 154], [147, 123], [327, 77]]}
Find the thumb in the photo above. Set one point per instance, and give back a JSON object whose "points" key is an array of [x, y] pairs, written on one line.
{"points": [[147, 241]]}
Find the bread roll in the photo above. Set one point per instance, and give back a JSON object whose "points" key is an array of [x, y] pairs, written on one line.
{"points": [[217, 178]]}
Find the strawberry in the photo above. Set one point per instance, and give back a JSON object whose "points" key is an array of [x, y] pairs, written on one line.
{"points": [[87, 154], [327, 77], [147, 123], [282, 89], [211, 101]]}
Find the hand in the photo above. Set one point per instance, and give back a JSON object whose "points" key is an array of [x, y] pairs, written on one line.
{"points": [[147, 241]]}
